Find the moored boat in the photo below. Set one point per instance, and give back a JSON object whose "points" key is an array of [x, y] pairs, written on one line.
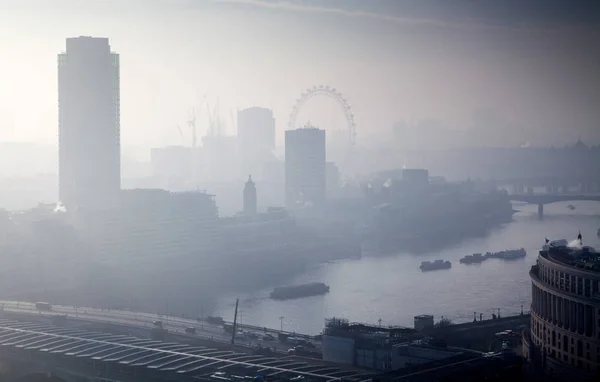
{"points": [[432, 266], [475, 258], [514, 254], [508, 254]]}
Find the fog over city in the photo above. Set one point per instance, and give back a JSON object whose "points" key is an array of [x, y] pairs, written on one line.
{"points": [[280, 163], [527, 68]]}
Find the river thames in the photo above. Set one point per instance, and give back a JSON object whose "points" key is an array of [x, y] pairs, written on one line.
{"points": [[393, 289]]}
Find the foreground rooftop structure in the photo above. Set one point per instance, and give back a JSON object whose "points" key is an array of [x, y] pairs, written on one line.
{"points": [[172, 361], [564, 337]]}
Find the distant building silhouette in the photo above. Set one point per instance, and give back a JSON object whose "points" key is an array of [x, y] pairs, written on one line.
{"points": [[151, 222], [89, 124], [256, 127], [305, 174], [217, 161], [172, 166], [256, 138], [250, 200], [332, 173]]}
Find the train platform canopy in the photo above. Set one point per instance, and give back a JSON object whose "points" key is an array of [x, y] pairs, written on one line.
{"points": [[174, 361]]}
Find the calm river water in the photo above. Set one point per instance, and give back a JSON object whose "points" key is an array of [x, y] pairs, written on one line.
{"points": [[393, 289]]}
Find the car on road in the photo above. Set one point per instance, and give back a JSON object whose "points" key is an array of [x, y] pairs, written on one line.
{"points": [[268, 337], [251, 335], [507, 333], [190, 330], [215, 320], [490, 354], [42, 306], [158, 324], [295, 341]]}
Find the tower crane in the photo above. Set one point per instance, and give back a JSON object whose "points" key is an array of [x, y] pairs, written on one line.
{"points": [[192, 125], [233, 122], [204, 103], [218, 117], [214, 120], [181, 135]]}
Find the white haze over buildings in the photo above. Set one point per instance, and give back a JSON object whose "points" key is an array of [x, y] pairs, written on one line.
{"points": [[521, 70]]}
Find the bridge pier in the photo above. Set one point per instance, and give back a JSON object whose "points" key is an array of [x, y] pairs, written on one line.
{"points": [[540, 211]]}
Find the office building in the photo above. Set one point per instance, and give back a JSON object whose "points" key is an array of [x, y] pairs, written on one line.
{"points": [[416, 177], [332, 175], [256, 138], [217, 161], [152, 223], [305, 167], [172, 167], [89, 124], [378, 347], [564, 338], [256, 128], [423, 322]]}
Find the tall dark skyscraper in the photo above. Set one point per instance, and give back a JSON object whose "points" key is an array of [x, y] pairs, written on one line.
{"points": [[305, 155], [89, 124]]}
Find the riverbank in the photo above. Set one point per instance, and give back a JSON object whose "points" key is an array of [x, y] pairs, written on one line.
{"points": [[392, 287], [437, 236]]}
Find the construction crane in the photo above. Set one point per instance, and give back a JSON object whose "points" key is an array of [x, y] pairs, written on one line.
{"points": [[192, 125], [181, 135], [218, 118], [233, 122], [204, 103], [214, 121]]}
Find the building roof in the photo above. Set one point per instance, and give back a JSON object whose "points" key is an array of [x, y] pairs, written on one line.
{"points": [[462, 367], [584, 258], [163, 357], [341, 327]]}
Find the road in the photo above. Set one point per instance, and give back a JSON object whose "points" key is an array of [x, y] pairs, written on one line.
{"points": [[141, 320]]}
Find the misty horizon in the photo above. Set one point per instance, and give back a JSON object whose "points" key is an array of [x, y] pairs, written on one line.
{"points": [[532, 75]]}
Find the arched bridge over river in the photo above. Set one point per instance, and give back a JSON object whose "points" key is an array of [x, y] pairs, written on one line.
{"points": [[542, 199]]}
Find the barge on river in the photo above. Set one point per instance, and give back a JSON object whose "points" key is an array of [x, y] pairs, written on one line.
{"points": [[299, 291], [437, 264]]}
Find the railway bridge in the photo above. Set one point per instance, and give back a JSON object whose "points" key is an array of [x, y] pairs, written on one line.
{"points": [[542, 199], [31, 352]]}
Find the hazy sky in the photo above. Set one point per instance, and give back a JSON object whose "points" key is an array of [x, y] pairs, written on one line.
{"points": [[535, 62]]}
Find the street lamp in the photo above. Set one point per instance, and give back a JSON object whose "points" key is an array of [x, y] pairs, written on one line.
{"points": [[281, 321], [201, 317]]}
